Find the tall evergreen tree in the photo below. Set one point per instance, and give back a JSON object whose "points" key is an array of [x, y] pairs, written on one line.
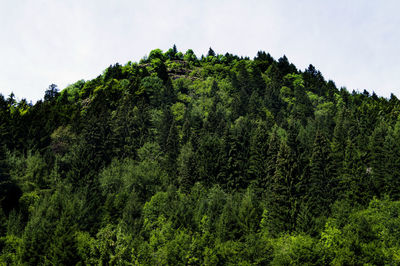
{"points": [[172, 149], [318, 192], [378, 158], [210, 52], [355, 181], [9, 191], [258, 155], [187, 167], [282, 199], [238, 155], [164, 128], [391, 164]]}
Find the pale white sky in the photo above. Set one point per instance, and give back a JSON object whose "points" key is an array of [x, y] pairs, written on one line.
{"points": [[354, 43]]}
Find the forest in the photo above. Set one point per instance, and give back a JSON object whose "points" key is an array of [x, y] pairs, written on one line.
{"points": [[212, 160]]}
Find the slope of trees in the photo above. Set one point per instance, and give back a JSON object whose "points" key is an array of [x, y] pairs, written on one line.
{"points": [[181, 160]]}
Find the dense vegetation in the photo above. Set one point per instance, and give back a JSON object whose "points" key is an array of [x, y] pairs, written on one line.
{"points": [[213, 160]]}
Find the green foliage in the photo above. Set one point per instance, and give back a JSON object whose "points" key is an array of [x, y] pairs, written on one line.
{"points": [[296, 250], [217, 160], [190, 56], [369, 236]]}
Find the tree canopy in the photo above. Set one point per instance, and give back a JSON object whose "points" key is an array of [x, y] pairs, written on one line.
{"points": [[211, 160]]}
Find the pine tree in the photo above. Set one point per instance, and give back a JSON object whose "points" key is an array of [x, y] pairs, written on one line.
{"points": [[338, 145], [258, 156], [255, 106], [282, 200], [238, 155], [378, 158], [130, 125], [214, 89], [210, 52], [355, 181], [318, 195], [208, 167], [215, 122], [249, 213], [9, 191], [270, 162], [272, 99], [391, 163], [243, 78], [5, 120], [240, 104], [186, 167], [186, 130], [164, 128], [62, 250], [284, 196], [172, 149]]}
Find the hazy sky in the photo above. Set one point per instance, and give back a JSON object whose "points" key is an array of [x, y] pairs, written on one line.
{"points": [[355, 43]]}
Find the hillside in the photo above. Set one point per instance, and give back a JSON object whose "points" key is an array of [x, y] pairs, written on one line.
{"points": [[215, 160]]}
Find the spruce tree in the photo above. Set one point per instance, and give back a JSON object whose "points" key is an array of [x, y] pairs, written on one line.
{"points": [[318, 195], [9, 191], [164, 128], [282, 201], [338, 144], [355, 180], [258, 156], [378, 158], [270, 160], [215, 119], [391, 163], [172, 149], [284, 196], [210, 52], [238, 155], [208, 167], [174, 50], [186, 167]]}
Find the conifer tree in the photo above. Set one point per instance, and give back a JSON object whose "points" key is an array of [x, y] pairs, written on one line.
{"points": [[392, 163], [256, 105], [172, 149], [215, 122], [238, 155], [240, 104], [355, 181], [186, 130], [9, 191], [62, 250], [210, 52], [130, 125], [208, 167], [5, 126], [243, 78], [272, 154], [282, 201], [285, 197], [214, 89], [258, 155], [164, 128], [338, 145], [378, 158], [186, 167], [319, 188], [273, 100], [248, 213]]}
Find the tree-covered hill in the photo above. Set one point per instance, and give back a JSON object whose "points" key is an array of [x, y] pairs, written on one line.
{"points": [[218, 160]]}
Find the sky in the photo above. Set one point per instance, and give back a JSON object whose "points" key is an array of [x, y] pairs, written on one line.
{"points": [[354, 43]]}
